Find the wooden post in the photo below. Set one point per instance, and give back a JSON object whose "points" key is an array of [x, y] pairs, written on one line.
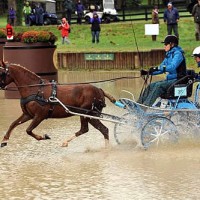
{"points": [[137, 61]]}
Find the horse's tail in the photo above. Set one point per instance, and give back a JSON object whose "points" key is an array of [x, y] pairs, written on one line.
{"points": [[109, 96], [113, 100]]}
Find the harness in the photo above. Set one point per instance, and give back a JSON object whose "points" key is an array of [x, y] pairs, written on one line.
{"points": [[51, 101], [39, 98], [34, 97]]}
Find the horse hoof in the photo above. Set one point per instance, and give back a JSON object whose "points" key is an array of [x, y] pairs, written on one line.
{"points": [[3, 144], [46, 137]]}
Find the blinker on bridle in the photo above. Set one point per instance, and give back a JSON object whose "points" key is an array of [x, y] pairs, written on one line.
{"points": [[3, 76]]}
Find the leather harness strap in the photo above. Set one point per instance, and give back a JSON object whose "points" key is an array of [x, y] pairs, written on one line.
{"points": [[39, 98], [53, 94]]}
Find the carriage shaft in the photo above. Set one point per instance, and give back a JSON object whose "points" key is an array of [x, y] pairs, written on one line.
{"points": [[103, 116]]}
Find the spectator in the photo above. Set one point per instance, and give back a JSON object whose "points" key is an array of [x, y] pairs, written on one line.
{"points": [[12, 16], [27, 12], [196, 55], [155, 19], [80, 10], [95, 27], [68, 4], [10, 32], [171, 18], [65, 29], [39, 15], [191, 5], [196, 15], [173, 64]]}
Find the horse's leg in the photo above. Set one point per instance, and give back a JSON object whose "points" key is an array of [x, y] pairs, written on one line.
{"points": [[84, 129], [23, 118], [36, 121], [96, 123]]}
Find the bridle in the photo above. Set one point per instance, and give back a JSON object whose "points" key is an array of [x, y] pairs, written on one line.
{"points": [[3, 76]]}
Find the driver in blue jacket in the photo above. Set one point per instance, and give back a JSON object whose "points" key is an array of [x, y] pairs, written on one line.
{"points": [[173, 65]]}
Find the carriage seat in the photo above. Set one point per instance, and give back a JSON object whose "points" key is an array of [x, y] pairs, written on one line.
{"points": [[182, 88]]}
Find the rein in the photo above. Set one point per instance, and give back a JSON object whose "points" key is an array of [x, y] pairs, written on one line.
{"points": [[145, 84], [52, 83]]}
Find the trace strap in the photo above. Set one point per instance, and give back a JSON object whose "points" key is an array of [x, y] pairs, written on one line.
{"points": [[103, 116]]}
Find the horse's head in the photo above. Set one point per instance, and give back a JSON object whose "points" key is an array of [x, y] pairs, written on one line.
{"points": [[5, 79]]}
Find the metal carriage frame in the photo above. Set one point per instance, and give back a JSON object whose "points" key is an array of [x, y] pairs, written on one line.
{"points": [[160, 123], [153, 125]]}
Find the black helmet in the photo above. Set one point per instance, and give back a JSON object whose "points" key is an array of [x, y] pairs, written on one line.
{"points": [[171, 39]]}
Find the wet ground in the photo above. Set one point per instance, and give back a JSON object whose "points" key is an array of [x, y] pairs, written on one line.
{"points": [[85, 169]]}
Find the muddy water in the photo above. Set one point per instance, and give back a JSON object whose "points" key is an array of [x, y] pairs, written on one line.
{"points": [[85, 170]]}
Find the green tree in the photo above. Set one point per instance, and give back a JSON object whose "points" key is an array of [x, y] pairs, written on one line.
{"points": [[19, 13]]}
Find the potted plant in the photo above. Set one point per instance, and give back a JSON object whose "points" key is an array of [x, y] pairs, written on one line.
{"points": [[2, 33], [33, 50], [32, 37]]}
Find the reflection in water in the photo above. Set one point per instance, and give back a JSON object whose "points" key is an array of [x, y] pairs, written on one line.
{"points": [[85, 170]]}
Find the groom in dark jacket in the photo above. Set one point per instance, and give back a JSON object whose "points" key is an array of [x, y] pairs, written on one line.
{"points": [[69, 7], [196, 14], [171, 18]]}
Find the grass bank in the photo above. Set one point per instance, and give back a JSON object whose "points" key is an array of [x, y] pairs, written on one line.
{"points": [[122, 36]]}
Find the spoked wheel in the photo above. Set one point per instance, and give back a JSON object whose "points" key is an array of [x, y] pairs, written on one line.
{"points": [[158, 131], [126, 133]]}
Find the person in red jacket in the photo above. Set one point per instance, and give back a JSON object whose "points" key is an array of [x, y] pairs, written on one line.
{"points": [[65, 29], [10, 31]]}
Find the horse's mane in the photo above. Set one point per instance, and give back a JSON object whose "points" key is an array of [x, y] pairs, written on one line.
{"points": [[26, 71]]}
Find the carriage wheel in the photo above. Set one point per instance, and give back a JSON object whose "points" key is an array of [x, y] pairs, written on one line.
{"points": [[126, 133], [158, 131]]}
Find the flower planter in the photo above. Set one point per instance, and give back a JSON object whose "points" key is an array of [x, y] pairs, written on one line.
{"points": [[37, 57]]}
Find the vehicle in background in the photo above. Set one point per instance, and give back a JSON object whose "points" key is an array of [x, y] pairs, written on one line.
{"points": [[48, 19], [49, 15], [107, 15]]}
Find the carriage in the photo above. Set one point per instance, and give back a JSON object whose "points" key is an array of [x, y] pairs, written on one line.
{"points": [[170, 116], [161, 124]]}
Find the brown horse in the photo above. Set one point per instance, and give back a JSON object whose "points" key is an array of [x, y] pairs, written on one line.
{"points": [[35, 104]]}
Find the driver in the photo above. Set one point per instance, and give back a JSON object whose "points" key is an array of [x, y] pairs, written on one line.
{"points": [[173, 65]]}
